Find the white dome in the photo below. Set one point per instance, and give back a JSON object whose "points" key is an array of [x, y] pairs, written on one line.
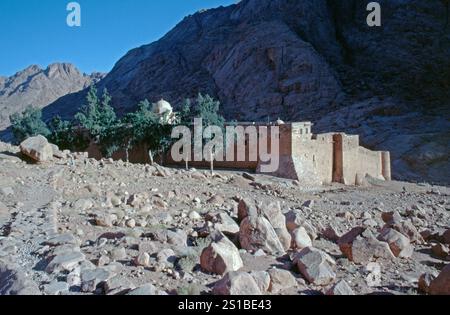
{"points": [[162, 107], [279, 122]]}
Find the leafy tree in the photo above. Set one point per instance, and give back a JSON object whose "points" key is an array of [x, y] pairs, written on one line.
{"points": [[185, 115], [207, 108], [65, 135], [148, 129], [27, 124], [97, 116], [142, 127]]}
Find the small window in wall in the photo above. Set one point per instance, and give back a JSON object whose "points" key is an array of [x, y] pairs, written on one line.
{"points": [[301, 131], [307, 131]]}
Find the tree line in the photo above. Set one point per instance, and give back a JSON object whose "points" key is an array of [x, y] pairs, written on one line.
{"points": [[97, 121]]}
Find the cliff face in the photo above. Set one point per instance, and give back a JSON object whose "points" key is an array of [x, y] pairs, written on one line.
{"points": [[307, 60], [292, 58], [40, 87], [248, 55]]}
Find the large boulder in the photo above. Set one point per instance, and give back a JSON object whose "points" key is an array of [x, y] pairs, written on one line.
{"points": [[315, 265], [224, 223], [236, 283], [14, 282], [273, 213], [221, 256], [340, 288], [37, 148], [361, 246], [301, 238], [441, 285], [246, 207], [399, 244], [257, 233], [262, 279], [281, 280]]}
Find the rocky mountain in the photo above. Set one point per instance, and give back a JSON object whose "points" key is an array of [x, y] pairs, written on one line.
{"points": [[40, 87], [308, 60], [292, 58]]}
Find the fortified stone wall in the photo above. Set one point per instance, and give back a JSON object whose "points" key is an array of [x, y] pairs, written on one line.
{"points": [[313, 159], [353, 162], [314, 155]]}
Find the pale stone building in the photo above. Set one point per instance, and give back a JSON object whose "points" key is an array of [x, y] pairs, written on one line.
{"points": [[303, 156], [314, 158], [329, 157]]}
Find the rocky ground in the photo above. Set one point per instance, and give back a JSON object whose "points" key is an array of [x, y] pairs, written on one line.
{"points": [[74, 225]]}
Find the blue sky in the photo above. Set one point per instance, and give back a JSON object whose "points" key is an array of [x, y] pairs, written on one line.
{"points": [[35, 31]]}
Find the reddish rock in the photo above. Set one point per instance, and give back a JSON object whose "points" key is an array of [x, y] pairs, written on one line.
{"points": [[400, 245], [441, 285], [425, 282], [221, 256]]}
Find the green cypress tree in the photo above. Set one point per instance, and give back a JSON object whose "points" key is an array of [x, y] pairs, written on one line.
{"points": [[97, 116], [208, 108]]}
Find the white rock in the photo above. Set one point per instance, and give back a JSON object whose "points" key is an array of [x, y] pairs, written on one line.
{"points": [[281, 280], [64, 262], [273, 213], [143, 259], [257, 233], [262, 279], [301, 238], [37, 148], [193, 215], [340, 288], [118, 254], [399, 244], [131, 223], [315, 266], [236, 283]]}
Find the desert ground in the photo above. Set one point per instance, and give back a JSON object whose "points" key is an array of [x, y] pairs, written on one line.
{"points": [[73, 225]]}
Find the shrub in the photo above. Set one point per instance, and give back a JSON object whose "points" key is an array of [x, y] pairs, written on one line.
{"points": [[27, 124], [188, 263], [191, 289], [202, 243]]}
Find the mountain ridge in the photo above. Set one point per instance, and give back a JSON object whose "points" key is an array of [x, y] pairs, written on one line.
{"points": [[39, 87]]}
